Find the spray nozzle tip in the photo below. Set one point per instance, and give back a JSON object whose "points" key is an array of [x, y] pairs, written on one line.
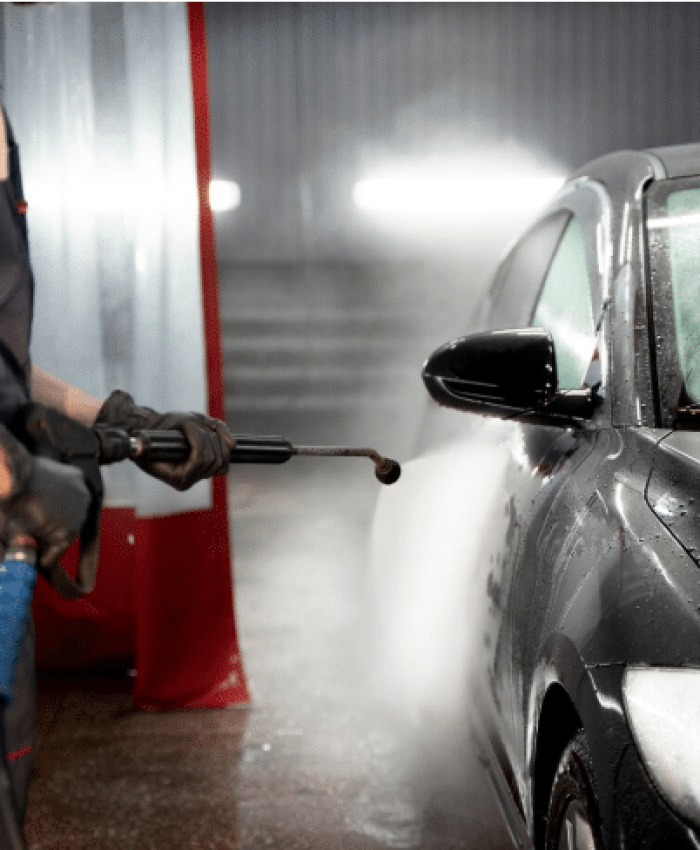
{"points": [[388, 471]]}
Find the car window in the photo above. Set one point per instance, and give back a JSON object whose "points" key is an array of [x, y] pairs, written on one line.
{"points": [[673, 227], [565, 308], [683, 244], [519, 278]]}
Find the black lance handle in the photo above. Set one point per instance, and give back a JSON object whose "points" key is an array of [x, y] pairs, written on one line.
{"points": [[173, 446]]}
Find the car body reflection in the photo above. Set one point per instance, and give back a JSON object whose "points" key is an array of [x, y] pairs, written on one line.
{"points": [[538, 567]]}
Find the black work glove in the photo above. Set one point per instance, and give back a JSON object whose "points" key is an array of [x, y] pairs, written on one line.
{"points": [[209, 439], [48, 500]]}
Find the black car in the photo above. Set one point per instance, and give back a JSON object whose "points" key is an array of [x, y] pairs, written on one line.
{"points": [[582, 530]]}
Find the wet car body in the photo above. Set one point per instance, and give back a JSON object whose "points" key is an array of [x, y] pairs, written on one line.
{"points": [[589, 559]]}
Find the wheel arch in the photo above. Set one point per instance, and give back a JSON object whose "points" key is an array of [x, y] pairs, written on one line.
{"points": [[568, 695], [562, 721]]}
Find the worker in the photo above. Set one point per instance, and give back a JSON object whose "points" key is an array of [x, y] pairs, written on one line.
{"points": [[43, 498]]}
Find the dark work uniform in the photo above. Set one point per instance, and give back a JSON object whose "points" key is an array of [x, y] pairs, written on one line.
{"points": [[16, 288], [16, 301]]}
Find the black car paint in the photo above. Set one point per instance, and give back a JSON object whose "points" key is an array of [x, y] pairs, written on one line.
{"points": [[588, 581], [597, 568]]}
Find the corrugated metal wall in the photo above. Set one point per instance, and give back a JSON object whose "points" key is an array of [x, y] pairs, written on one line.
{"points": [[327, 312], [311, 95]]}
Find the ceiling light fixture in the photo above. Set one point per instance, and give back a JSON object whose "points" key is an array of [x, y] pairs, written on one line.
{"points": [[224, 195], [452, 194]]}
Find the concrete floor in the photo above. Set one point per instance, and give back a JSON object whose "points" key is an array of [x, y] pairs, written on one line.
{"points": [[316, 763]]}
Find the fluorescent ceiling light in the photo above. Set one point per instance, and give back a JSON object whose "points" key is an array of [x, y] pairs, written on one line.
{"points": [[224, 195], [439, 194]]}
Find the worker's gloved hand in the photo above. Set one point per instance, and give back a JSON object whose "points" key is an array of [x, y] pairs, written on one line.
{"points": [[209, 439], [47, 500]]}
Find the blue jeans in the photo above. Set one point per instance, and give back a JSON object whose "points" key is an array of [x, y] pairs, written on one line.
{"points": [[19, 722]]}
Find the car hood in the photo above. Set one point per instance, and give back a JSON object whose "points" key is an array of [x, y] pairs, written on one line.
{"points": [[673, 490]]}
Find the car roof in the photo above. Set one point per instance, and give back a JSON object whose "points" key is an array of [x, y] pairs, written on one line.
{"points": [[679, 160], [669, 162]]}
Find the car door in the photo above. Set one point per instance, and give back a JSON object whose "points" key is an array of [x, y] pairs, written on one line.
{"points": [[568, 301]]}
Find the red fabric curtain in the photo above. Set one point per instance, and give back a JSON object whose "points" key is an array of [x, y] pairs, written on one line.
{"points": [[164, 593]]}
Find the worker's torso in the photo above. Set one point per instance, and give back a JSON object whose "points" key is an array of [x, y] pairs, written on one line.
{"points": [[16, 281]]}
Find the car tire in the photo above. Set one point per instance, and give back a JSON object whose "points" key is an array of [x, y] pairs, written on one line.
{"points": [[573, 822]]}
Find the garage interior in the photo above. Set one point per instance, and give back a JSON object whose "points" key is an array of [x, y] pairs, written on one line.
{"points": [[328, 311]]}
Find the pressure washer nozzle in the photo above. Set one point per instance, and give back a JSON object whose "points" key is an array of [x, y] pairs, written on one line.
{"points": [[388, 471]]}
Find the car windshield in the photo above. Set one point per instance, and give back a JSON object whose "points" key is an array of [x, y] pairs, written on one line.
{"points": [[673, 230]]}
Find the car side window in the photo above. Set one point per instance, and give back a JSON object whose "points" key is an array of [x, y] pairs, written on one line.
{"points": [[519, 278], [565, 308]]}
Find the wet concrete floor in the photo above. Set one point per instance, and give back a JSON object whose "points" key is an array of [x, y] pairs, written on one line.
{"points": [[316, 763]]}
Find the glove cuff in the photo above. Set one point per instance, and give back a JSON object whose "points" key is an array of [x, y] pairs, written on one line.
{"points": [[121, 411], [115, 409]]}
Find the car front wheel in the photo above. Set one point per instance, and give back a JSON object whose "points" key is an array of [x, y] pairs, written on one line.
{"points": [[572, 817]]}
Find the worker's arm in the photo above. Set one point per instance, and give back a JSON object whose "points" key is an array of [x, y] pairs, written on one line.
{"points": [[209, 439], [45, 499], [5, 474], [52, 391]]}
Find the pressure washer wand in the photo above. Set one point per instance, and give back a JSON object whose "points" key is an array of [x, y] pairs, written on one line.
{"points": [[173, 446]]}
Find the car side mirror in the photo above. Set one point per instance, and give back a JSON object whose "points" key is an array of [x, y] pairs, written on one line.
{"points": [[508, 374]]}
